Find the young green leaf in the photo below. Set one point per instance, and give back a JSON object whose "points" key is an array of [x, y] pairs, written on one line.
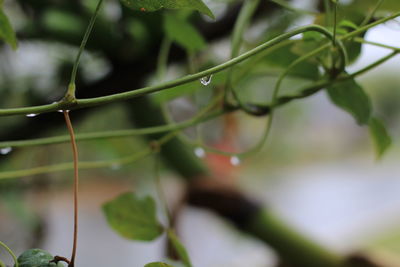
{"points": [[6, 31], [183, 33], [179, 248], [158, 264], [37, 258], [351, 97], [133, 218], [380, 136], [154, 5]]}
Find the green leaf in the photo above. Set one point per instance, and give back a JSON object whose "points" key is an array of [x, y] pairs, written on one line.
{"points": [[347, 24], [154, 5], [183, 33], [133, 218], [158, 264], [380, 136], [349, 96], [37, 258], [6, 31], [179, 248]]}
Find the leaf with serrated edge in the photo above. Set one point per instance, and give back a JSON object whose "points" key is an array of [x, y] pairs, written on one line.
{"points": [[154, 5], [133, 218]]}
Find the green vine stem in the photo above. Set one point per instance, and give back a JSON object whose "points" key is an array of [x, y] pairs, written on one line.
{"points": [[328, 11], [246, 12], [160, 191], [114, 133], [82, 103], [70, 95], [284, 4], [363, 41], [198, 119], [162, 60], [88, 164], [342, 53], [76, 185], [335, 8], [260, 144], [372, 13], [11, 253], [304, 92]]}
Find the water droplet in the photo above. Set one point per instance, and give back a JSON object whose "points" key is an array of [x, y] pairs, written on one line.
{"points": [[235, 161], [61, 111], [5, 150], [31, 115], [199, 152], [115, 166], [206, 80]]}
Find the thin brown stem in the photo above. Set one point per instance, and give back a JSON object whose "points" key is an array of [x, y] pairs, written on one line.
{"points": [[76, 183]]}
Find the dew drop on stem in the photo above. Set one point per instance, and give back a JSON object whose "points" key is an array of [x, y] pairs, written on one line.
{"points": [[235, 161], [5, 150], [206, 80], [115, 166], [199, 152], [31, 115]]}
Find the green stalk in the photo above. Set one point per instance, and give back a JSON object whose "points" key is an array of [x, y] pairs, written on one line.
{"points": [[11, 253], [246, 12], [162, 60], [372, 13], [290, 245], [70, 95]]}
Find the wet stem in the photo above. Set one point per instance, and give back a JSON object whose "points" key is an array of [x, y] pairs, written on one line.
{"points": [[76, 183]]}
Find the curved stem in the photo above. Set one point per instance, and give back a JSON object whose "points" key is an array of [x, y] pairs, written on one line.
{"points": [[76, 184], [189, 78], [11, 253]]}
